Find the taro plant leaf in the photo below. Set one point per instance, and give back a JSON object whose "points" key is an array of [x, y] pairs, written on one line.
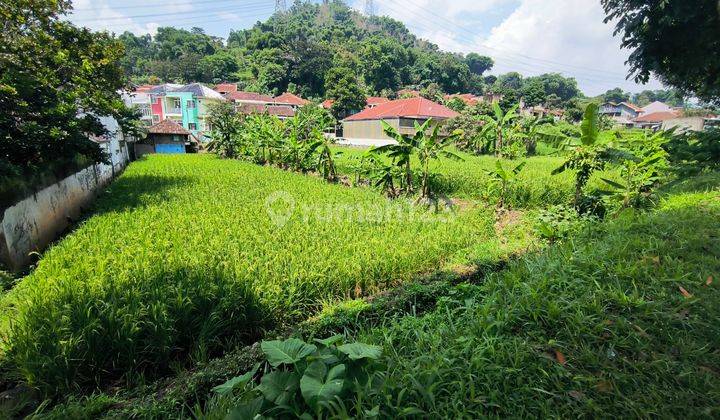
{"points": [[247, 411], [288, 352], [279, 387], [238, 381], [320, 385], [327, 342], [357, 351]]}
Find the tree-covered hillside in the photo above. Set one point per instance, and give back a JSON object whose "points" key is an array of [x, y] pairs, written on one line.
{"points": [[298, 49]]}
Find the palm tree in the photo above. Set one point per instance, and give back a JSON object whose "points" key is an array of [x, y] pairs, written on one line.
{"points": [[499, 126]]}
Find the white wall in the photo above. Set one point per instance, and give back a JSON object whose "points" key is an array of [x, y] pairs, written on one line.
{"points": [[35, 222]]}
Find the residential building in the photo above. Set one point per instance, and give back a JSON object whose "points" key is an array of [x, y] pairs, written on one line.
{"points": [[281, 111], [290, 99], [365, 128], [226, 88], [622, 113], [654, 120], [188, 105], [656, 107], [697, 123], [167, 137], [373, 101], [157, 101]]}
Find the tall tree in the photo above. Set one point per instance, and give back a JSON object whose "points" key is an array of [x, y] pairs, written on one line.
{"points": [[479, 64], [675, 40], [616, 95], [56, 80], [342, 87]]}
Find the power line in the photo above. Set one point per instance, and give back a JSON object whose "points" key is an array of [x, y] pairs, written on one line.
{"points": [[149, 5], [370, 9], [280, 6], [187, 12], [508, 54], [194, 21]]}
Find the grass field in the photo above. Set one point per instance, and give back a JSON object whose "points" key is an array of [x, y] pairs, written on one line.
{"points": [[536, 186], [621, 321], [181, 258]]}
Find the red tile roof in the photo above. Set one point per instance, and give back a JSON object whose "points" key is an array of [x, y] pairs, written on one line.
{"points": [[407, 108], [631, 106], [144, 88], [376, 100], [168, 127], [226, 88], [249, 96], [468, 98], [656, 117], [327, 103], [277, 110], [290, 99]]}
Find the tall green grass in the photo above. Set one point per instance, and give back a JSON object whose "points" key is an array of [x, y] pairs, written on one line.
{"points": [[596, 327], [181, 258]]}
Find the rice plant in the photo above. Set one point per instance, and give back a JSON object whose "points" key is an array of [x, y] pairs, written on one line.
{"points": [[182, 257]]}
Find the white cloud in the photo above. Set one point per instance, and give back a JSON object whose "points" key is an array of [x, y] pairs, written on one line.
{"points": [[534, 37], [566, 36]]}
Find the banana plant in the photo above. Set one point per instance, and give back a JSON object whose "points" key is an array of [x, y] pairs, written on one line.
{"points": [[586, 154], [503, 178], [406, 146], [323, 157], [499, 127], [433, 146]]}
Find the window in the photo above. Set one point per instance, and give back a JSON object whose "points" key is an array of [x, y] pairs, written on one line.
{"points": [[156, 118], [409, 122], [176, 137], [192, 126], [145, 111], [177, 103], [191, 104]]}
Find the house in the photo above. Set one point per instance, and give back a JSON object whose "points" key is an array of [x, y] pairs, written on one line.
{"points": [[156, 96], [468, 98], [696, 123], [188, 105], [373, 101], [250, 98], [281, 111], [365, 128], [622, 113], [656, 107], [139, 99], [289, 99], [654, 120], [226, 88], [167, 137]]}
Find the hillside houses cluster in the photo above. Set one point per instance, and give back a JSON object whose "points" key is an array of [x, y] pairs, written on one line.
{"points": [[654, 116]]}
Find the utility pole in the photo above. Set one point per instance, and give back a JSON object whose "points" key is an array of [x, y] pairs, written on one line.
{"points": [[370, 8], [280, 6]]}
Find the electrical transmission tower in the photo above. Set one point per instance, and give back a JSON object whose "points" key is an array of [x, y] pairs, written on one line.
{"points": [[370, 8], [280, 6]]}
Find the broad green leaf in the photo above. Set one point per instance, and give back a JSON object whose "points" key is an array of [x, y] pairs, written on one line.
{"points": [[357, 351], [590, 125], [330, 340], [241, 380], [319, 385], [613, 183], [279, 387], [247, 411], [288, 352]]}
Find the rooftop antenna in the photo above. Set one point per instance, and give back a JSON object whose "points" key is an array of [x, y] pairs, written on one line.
{"points": [[370, 8], [280, 6]]}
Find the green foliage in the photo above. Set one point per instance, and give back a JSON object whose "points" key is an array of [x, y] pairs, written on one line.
{"points": [[616, 95], [56, 81], [343, 88], [479, 64], [226, 126], [498, 128], [306, 381], [668, 40], [117, 298], [596, 325], [559, 222], [692, 152], [426, 143], [503, 178]]}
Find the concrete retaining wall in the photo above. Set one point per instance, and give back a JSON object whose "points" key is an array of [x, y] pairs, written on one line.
{"points": [[35, 222]]}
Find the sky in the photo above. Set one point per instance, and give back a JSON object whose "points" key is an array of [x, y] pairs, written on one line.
{"points": [[528, 36]]}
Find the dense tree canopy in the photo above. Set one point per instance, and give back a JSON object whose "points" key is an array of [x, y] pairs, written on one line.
{"points": [[55, 81], [616, 95], [675, 40]]}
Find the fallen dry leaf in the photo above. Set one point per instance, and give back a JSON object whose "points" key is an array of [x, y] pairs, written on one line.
{"points": [[576, 395], [685, 292], [656, 260], [709, 280], [604, 386], [560, 357]]}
